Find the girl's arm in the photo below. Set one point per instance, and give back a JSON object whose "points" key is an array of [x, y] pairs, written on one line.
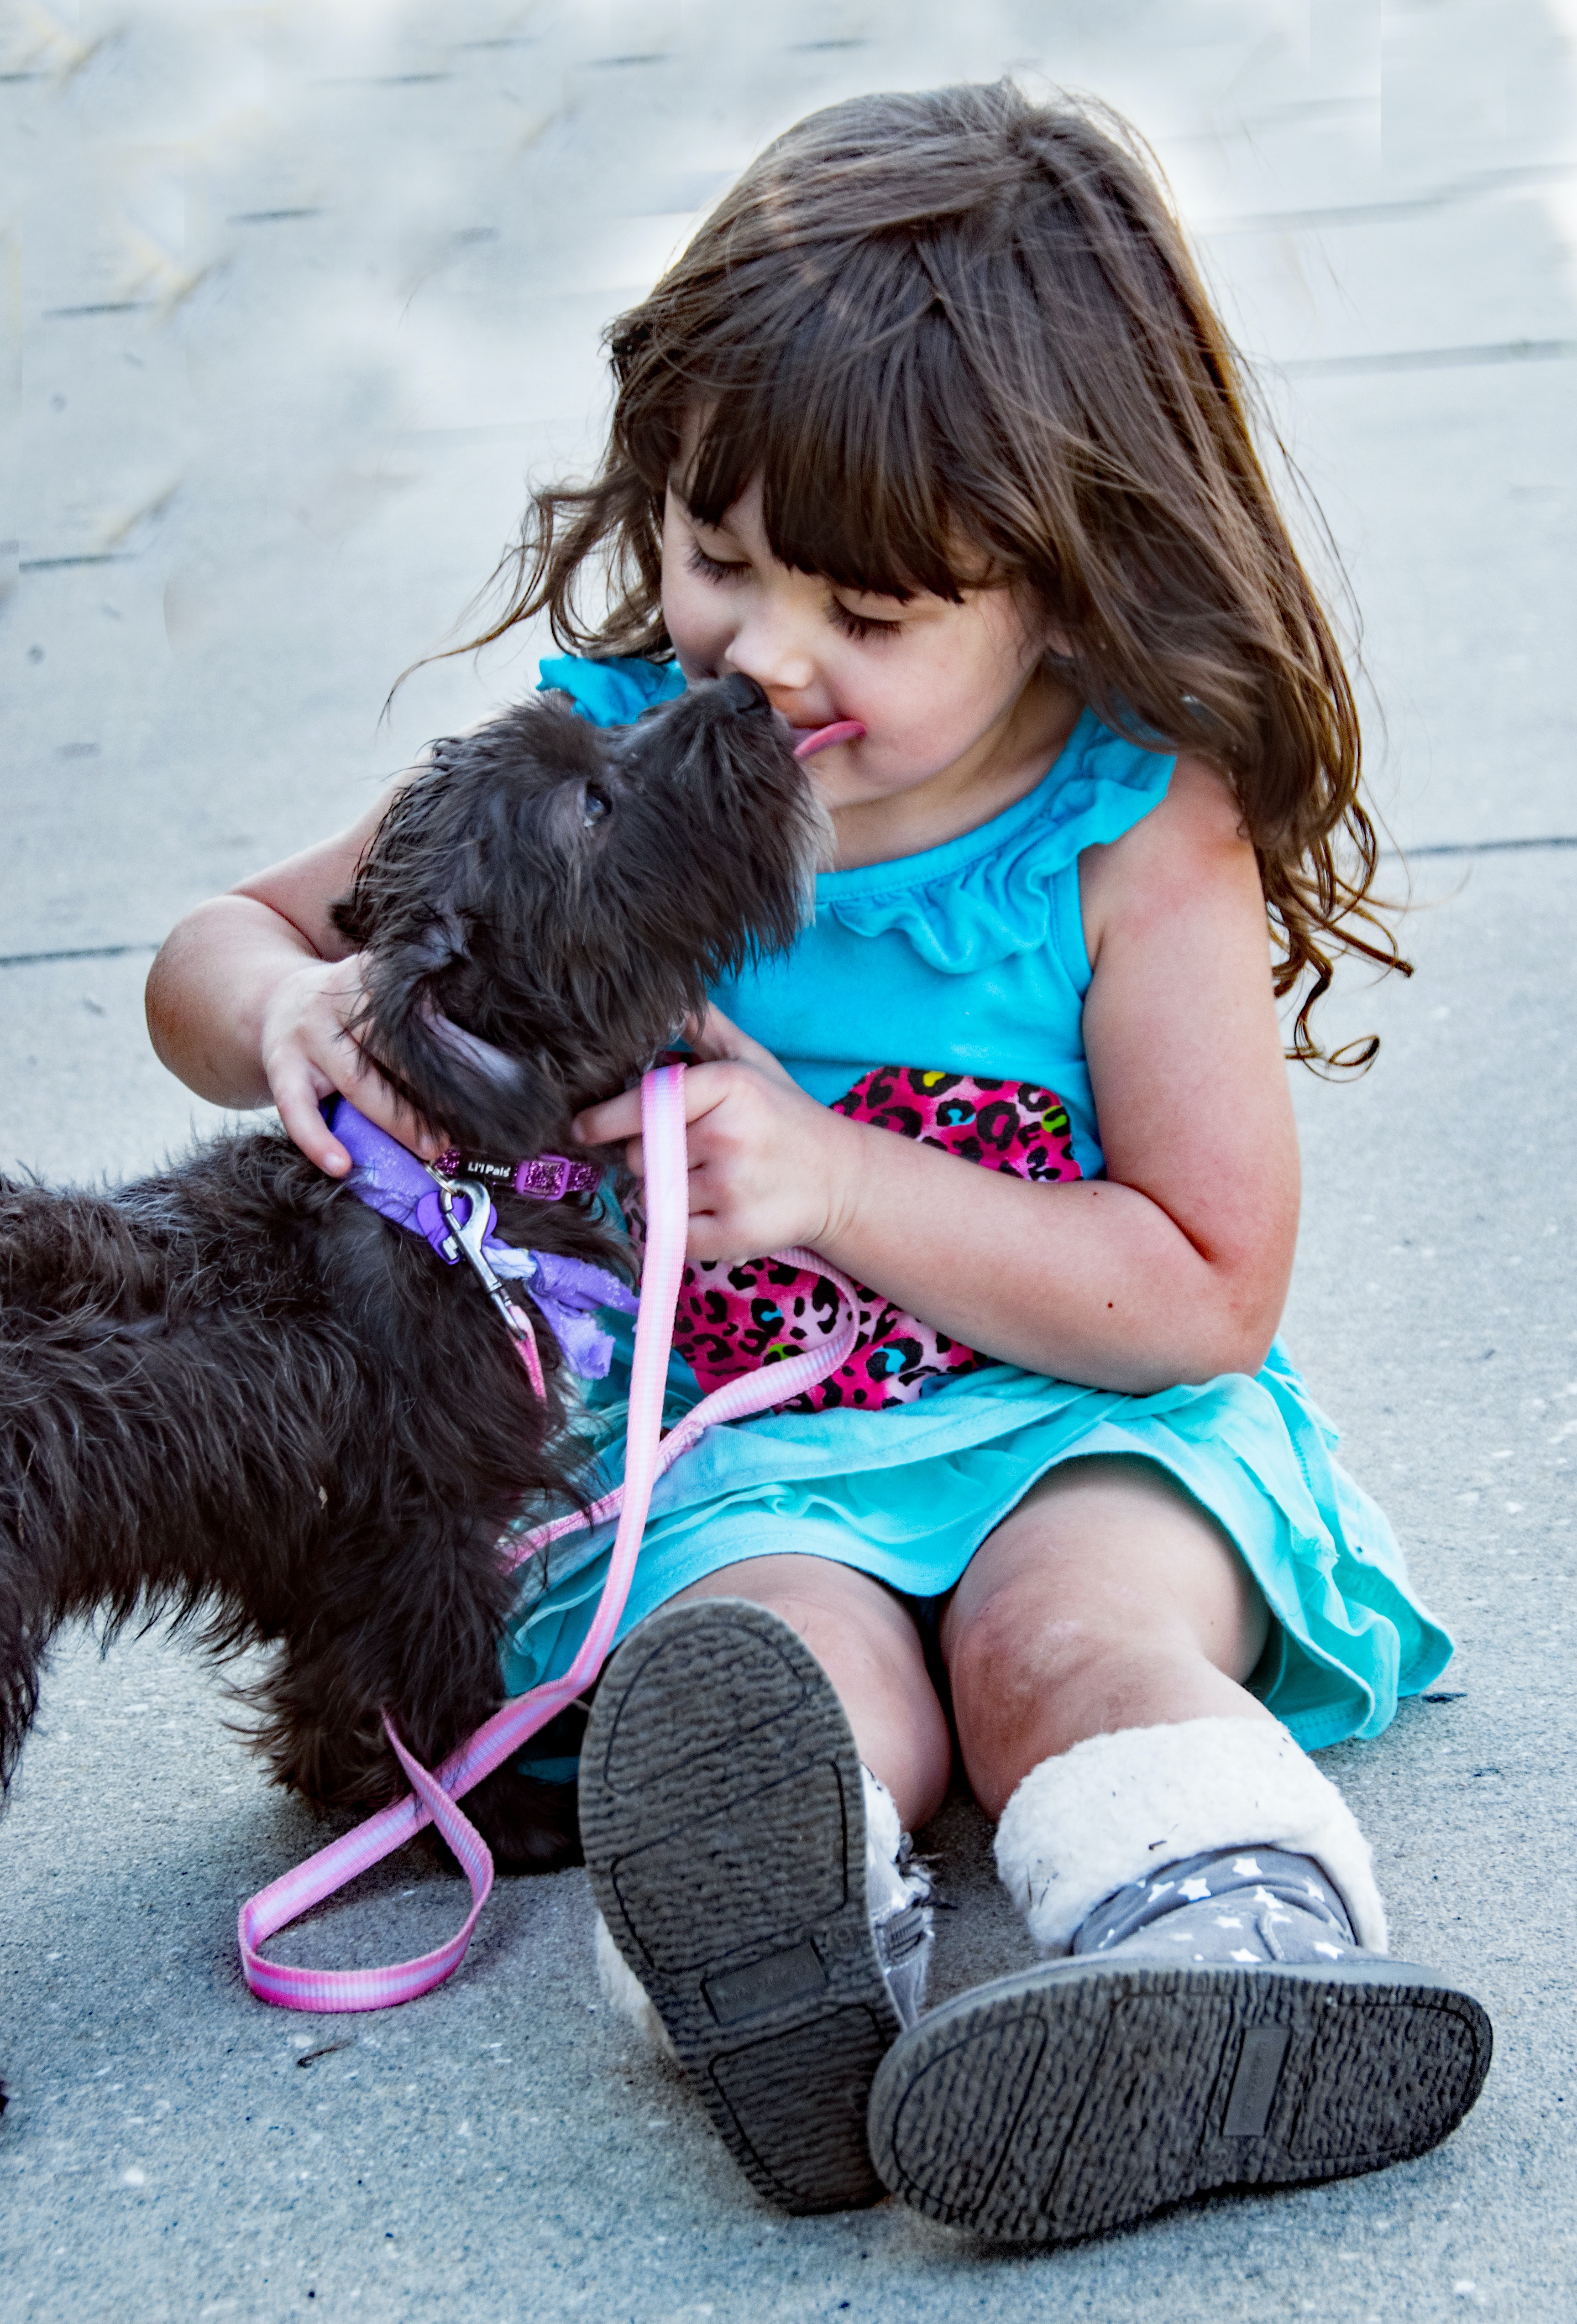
{"points": [[1173, 1267], [250, 996]]}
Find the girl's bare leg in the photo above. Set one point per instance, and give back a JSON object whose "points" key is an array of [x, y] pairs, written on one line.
{"points": [[869, 1646], [1108, 1599]]}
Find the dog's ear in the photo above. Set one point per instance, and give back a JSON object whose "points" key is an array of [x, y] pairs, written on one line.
{"points": [[411, 912], [382, 884], [349, 916], [452, 1079]]}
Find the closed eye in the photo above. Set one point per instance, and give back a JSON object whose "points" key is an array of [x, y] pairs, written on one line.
{"points": [[713, 568], [861, 627]]}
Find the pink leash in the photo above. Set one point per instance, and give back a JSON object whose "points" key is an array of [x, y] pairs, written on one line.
{"points": [[433, 1798]]}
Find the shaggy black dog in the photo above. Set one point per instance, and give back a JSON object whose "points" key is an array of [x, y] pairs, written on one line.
{"points": [[235, 1395]]}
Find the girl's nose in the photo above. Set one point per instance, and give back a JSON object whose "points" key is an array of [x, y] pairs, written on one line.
{"points": [[775, 657]]}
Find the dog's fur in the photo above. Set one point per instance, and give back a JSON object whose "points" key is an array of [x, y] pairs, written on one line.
{"points": [[234, 1394]]}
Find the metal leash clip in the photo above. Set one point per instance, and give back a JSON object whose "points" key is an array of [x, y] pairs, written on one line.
{"points": [[467, 1237]]}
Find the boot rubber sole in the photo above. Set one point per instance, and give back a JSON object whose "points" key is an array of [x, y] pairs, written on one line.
{"points": [[1075, 2098], [723, 1823]]}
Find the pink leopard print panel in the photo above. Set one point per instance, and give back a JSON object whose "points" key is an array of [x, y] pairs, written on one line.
{"points": [[731, 1319]]}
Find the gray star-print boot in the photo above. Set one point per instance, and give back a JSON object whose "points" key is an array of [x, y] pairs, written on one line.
{"points": [[1234, 1906], [762, 1918], [1222, 2014]]}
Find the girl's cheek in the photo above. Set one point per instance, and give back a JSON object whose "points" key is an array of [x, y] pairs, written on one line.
{"points": [[687, 645], [904, 715], [699, 629]]}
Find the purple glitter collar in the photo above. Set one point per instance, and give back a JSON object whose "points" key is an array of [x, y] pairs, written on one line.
{"points": [[545, 1178], [389, 1179]]}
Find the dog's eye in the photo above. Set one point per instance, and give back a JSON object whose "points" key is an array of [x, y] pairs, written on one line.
{"points": [[596, 805]]}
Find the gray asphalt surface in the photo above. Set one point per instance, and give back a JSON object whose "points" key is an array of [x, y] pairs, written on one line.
{"points": [[307, 290]]}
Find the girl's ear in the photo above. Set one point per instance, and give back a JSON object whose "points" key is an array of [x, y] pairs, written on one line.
{"points": [[1046, 639]]}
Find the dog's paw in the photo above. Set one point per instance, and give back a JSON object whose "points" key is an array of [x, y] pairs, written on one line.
{"points": [[529, 1826]]}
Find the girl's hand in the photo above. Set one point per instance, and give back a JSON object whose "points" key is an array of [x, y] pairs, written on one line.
{"points": [[250, 997], [306, 1052], [769, 1166]]}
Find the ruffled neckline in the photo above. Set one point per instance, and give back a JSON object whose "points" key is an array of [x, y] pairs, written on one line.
{"points": [[989, 893]]}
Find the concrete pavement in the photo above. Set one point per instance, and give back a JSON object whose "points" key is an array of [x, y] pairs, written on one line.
{"points": [[306, 291]]}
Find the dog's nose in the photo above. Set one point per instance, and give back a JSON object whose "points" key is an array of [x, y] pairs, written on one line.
{"points": [[742, 694]]}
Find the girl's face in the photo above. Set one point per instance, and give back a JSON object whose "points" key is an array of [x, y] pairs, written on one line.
{"points": [[948, 694]]}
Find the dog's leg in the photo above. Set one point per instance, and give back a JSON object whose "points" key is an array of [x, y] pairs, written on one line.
{"points": [[530, 1825], [344, 1761], [407, 1620], [25, 1626]]}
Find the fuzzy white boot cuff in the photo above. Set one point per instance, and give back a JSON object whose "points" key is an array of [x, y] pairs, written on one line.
{"points": [[1119, 1807], [623, 1990], [890, 1886]]}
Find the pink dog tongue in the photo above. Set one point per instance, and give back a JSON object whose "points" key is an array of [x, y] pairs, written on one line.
{"points": [[846, 730]]}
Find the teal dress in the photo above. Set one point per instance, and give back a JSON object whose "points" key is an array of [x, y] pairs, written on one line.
{"points": [[970, 958]]}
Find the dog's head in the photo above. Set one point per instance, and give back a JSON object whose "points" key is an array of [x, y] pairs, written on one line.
{"points": [[546, 901]]}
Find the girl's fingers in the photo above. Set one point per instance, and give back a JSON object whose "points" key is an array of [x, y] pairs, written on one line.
{"points": [[619, 1117], [606, 1124], [713, 1036], [716, 1039], [296, 1096], [358, 1079], [304, 1072]]}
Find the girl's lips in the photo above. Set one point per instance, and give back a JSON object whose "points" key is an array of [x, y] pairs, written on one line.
{"points": [[822, 738]]}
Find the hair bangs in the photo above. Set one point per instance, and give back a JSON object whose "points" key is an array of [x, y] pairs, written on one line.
{"points": [[846, 425]]}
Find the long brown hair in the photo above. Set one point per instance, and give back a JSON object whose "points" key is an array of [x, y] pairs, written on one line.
{"points": [[960, 338]]}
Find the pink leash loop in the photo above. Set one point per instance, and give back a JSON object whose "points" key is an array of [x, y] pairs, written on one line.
{"points": [[433, 1799]]}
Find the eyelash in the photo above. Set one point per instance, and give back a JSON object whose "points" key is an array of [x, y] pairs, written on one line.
{"points": [[856, 626], [711, 569]]}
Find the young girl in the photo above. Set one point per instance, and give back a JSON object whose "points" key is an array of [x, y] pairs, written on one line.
{"points": [[932, 433]]}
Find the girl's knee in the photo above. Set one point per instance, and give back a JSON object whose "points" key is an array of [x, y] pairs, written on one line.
{"points": [[876, 1662], [1016, 1644], [1107, 1556]]}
